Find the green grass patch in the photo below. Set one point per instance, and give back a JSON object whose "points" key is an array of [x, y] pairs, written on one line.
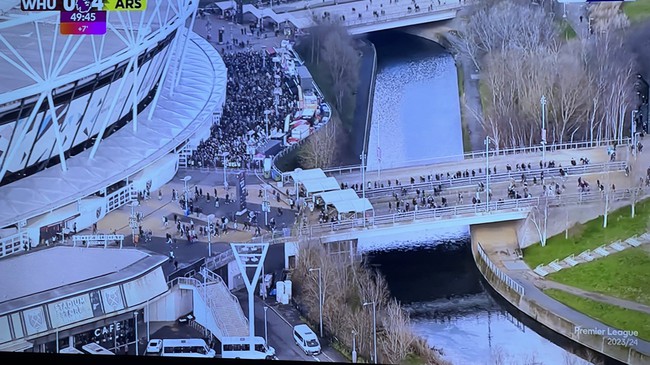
{"points": [[567, 30], [617, 317], [590, 235], [412, 359], [637, 10], [623, 275]]}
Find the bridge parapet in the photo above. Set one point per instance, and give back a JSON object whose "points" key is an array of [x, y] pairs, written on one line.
{"points": [[461, 213], [549, 173]]}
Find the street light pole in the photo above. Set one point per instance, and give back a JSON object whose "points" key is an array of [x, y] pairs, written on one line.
{"points": [[186, 191], [487, 173], [378, 152], [320, 299], [210, 218], [633, 127], [374, 326], [363, 174], [543, 101], [354, 346], [135, 316], [266, 332], [225, 181]]}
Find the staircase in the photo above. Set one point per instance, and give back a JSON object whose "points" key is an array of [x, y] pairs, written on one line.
{"points": [[224, 306], [590, 255]]}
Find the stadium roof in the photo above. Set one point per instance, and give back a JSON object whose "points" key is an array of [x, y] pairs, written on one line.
{"points": [[201, 90]]}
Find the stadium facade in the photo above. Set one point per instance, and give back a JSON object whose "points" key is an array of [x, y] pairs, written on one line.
{"points": [[87, 122]]}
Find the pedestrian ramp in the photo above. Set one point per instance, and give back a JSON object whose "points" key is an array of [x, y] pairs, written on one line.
{"points": [[215, 308], [224, 306]]}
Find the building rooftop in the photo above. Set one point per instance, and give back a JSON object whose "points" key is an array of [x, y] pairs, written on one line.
{"points": [[56, 267]]}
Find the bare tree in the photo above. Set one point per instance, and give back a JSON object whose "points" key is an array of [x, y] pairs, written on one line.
{"points": [[568, 104], [398, 337], [539, 217], [320, 149], [343, 63]]}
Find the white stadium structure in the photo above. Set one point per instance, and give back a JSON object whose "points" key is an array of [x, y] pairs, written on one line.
{"points": [[88, 121]]}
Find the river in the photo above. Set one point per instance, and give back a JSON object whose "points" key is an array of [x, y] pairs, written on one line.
{"points": [[416, 115]]}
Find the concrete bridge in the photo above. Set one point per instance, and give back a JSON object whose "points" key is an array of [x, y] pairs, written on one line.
{"points": [[358, 16], [468, 214], [624, 174]]}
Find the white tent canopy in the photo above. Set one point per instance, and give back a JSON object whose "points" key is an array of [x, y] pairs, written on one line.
{"points": [[358, 205], [320, 184], [329, 197], [300, 175]]}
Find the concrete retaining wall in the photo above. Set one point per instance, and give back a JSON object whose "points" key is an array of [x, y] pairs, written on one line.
{"points": [[563, 326]]}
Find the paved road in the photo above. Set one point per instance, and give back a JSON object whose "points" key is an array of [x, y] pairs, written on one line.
{"points": [[281, 318]]}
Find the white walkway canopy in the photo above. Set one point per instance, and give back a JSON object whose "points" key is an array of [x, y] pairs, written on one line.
{"points": [[299, 175], [320, 185], [359, 205], [329, 197]]}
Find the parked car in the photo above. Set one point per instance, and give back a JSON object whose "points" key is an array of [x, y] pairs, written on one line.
{"points": [[154, 346]]}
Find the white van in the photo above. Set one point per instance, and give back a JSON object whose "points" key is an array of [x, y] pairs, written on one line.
{"points": [[189, 347], [306, 339], [253, 348]]}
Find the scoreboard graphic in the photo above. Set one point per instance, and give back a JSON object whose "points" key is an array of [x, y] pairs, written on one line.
{"points": [[79, 17]]}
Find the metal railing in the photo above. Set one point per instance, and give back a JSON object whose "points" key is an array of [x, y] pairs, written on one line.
{"points": [[462, 211], [216, 279], [401, 15], [549, 173], [481, 154], [499, 274]]}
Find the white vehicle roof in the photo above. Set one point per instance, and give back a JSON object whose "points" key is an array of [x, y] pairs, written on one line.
{"points": [[236, 340], [183, 342], [305, 331]]}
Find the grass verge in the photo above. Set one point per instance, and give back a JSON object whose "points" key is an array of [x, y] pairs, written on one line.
{"points": [[611, 315], [622, 275], [590, 235], [637, 10], [567, 30]]}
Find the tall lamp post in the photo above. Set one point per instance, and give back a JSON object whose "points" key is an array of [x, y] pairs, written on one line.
{"points": [[225, 181], [135, 317], [186, 192], [363, 174], [266, 331], [320, 299], [543, 142], [487, 170], [374, 326], [354, 346], [210, 219], [133, 221]]}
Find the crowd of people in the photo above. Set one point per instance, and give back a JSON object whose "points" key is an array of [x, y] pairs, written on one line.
{"points": [[250, 101]]}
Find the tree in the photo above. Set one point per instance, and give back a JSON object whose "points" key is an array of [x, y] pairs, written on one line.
{"points": [[320, 149], [343, 63], [539, 218], [398, 337]]}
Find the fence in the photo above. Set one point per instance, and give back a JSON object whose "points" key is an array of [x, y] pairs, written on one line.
{"points": [[499, 274], [499, 177], [400, 15], [459, 211], [482, 154]]}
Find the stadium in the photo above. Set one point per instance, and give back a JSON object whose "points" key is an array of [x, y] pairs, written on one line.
{"points": [[87, 122]]}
